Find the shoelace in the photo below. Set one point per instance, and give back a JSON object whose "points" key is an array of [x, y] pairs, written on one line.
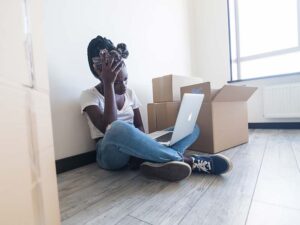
{"points": [[202, 165]]}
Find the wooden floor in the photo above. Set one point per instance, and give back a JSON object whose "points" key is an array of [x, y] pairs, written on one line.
{"points": [[263, 188]]}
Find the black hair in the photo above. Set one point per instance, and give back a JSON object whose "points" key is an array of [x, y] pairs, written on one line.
{"points": [[99, 43]]}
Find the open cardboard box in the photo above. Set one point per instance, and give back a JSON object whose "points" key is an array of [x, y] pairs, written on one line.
{"points": [[167, 88], [223, 117]]}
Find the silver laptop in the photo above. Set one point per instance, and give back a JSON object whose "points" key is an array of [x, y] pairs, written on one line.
{"points": [[185, 122]]}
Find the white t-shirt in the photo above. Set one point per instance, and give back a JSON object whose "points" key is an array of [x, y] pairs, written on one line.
{"points": [[93, 97]]}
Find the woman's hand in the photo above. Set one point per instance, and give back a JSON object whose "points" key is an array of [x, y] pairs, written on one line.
{"points": [[110, 67]]}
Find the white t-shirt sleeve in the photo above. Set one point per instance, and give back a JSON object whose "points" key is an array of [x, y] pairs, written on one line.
{"points": [[136, 102], [87, 98]]}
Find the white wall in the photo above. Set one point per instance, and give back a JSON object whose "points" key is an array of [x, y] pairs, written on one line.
{"points": [[158, 37], [212, 61], [211, 41]]}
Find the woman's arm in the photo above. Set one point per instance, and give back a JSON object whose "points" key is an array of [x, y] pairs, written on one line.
{"points": [[137, 120], [96, 117], [110, 70], [107, 76], [110, 106], [102, 119]]}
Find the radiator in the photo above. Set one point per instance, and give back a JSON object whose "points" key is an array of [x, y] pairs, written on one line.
{"points": [[282, 101]]}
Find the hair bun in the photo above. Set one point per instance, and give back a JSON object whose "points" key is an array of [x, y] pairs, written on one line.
{"points": [[122, 49]]}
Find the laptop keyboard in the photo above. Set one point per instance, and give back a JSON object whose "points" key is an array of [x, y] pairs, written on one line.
{"points": [[165, 138]]}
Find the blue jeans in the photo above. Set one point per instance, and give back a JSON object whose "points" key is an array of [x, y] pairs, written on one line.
{"points": [[123, 140]]}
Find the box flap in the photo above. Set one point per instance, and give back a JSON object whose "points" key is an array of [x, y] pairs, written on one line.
{"points": [[214, 92], [202, 88], [232, 93]]}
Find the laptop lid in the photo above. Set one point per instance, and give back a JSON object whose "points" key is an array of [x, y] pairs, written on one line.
{"points": [[187, 116]]}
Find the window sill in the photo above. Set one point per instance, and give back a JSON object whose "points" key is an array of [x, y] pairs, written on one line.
{"points": [[263, 78]]}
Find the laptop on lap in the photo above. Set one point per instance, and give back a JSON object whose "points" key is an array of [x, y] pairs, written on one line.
{"points": [[185, 121]]}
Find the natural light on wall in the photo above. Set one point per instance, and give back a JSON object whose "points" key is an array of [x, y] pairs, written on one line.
{"points": [[265, 37]]}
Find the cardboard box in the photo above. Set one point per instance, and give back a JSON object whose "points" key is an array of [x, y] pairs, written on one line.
{"points": [[167, 88], [162, 115], [223, 117]]}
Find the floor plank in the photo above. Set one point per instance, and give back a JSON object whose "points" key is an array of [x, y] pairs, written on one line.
{"points": [[171, 204], [117, 203], [228, 199], [100, 190], [74, 174], [294, 138], [279, 179], [262, 214], [91, 176], [129, 220], [261, 189]]}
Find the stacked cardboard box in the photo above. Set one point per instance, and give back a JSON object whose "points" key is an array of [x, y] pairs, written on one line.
{"points": [[166, 97], [223, 118], [162, 115]]}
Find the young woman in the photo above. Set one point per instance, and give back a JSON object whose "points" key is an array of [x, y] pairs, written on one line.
{"points": [[113, 115]]}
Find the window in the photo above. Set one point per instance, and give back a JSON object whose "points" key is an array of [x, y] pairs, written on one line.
{"points": [[265, 37]]}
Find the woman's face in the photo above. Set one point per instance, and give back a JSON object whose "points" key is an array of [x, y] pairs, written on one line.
{"points": [[121, 82]]}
